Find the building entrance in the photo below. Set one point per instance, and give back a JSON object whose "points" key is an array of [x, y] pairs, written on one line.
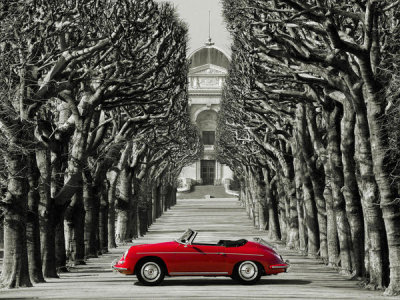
{"points": [[207, 171]]}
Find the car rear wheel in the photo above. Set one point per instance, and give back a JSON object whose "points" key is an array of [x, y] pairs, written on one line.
{"points": [[247, 272], [151, 272]]}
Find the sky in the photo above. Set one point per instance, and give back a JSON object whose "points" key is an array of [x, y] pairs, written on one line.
{"points": [[195, 14]]}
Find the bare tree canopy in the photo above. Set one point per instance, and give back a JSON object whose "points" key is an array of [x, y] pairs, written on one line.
{"points": [[307, 105], [93, 99]]}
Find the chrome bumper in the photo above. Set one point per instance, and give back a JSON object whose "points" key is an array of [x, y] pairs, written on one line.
{"points": [[114, 267], [119, 268], [280, 266]]}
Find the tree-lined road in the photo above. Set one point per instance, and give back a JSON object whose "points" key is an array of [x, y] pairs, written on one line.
{"points": [[214, 219]]}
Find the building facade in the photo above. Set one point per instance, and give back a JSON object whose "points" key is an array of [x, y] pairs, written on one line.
{"points": [[208, 69]]}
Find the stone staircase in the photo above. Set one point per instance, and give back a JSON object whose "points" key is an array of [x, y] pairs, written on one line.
{"points": [[201, 191]]}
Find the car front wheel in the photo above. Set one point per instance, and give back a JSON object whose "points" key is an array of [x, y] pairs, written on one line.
{"points": [[151, 273], [247, 272]]}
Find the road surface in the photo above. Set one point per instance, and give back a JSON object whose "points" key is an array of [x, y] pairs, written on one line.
{"points": [[215, 219]]}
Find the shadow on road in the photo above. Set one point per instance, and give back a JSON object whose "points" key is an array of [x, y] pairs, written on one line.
{"points": [[201, 282]]}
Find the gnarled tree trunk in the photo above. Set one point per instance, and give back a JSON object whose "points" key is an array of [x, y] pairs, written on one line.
{"points": [[370, 197], [323, 156], [350, 190], [32, 224], [310, 217], [272, 209], [124, 205], [103, 219], [337, 182], [74, 231], [316, 177], [303, 239], [388, 194], [91, 204], [47, 223], [15, 272]]}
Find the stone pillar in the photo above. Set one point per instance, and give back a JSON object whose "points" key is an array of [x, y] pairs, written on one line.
{"points": [[218, 173], [198, 173]]}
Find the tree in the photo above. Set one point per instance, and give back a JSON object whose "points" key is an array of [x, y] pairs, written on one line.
{"points": [[82, 81], [322, 59]]}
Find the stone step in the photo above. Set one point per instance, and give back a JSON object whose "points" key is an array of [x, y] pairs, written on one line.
{"points": [[201, 191]]}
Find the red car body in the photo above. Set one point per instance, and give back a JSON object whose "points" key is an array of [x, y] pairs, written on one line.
{"points": [[184, 257]]}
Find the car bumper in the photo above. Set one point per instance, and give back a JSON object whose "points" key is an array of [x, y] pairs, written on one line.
{"points": [[280, 267], [120, 269]]}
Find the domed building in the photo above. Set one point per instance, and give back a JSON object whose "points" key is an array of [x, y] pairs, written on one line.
{"points": [[208, 69]]}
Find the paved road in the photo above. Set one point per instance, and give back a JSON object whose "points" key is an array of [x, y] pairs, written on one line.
{"points": [[215, 219]]}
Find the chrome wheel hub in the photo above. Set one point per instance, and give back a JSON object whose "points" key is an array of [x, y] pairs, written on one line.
{"points": [[151, 271], [248, 270]]}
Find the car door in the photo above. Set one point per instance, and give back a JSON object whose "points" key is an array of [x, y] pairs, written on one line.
{"points": [[198, 259], [231, 257]]}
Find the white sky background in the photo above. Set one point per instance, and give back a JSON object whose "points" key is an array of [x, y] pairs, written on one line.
{"points": [[195, 14]]}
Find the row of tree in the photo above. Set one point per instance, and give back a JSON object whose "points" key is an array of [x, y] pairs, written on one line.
{"points": [[309, 122], [94, 128]]}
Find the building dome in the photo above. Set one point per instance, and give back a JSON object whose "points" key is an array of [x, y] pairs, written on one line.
{"points": [[209, 54]]}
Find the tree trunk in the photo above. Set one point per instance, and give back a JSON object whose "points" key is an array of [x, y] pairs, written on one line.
{"points": [[75, 223], [323, 156], [103, 220], [370, 196], [316, 176], [291, 205], [272, 209], [58, 166], [174, 195], [351, 191], [154, 200], [161, 199], [15, 272], [311, 218], [32, 225], [112, 187], [388, 194], [47, 225], [337, 182], [124, 205], [91, 207], [254, 191], [284, 209], [135, 217], [61, 255], [281, 211], [143, 220], [166, 197], [1, 238], [303, 240]]}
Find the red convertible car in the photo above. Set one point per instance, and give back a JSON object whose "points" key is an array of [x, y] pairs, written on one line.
{"points": [[241, 260]]}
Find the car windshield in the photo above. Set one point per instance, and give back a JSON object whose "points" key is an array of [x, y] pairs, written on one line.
{"points": [[186, 236]]}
